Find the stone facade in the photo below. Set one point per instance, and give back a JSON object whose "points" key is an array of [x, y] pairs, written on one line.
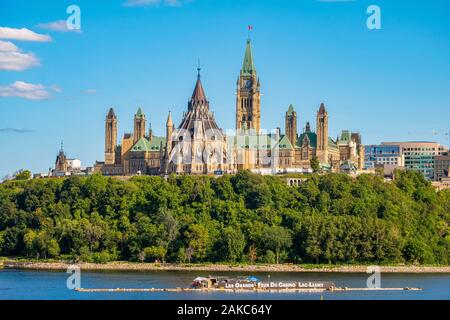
{"points": [[199, 146]]}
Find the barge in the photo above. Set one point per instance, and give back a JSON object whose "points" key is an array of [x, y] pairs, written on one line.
{"points": [[248, 284], [251, 282]]}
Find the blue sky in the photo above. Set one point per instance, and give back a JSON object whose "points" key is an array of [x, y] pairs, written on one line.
{"points": [[388, 84]]}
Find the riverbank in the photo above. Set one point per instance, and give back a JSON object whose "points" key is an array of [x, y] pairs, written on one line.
{"points": [[130, 266]]}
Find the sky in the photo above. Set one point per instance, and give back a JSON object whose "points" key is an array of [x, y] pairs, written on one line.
{"points": [[56, 84]]}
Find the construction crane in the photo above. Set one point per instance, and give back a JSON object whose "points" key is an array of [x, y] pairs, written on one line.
{"points": [[448, 134], [434, 133]]}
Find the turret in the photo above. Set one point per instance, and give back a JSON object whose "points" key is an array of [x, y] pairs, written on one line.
{"points": [[291, 125], [322, 134], [110, 136], [307, 127], [169, 131], [139, 125]]}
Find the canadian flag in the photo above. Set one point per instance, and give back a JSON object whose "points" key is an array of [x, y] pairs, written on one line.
{"points": [[250, 27]]}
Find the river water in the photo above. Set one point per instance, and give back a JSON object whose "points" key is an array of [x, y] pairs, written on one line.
{"points": [[27, 284]]}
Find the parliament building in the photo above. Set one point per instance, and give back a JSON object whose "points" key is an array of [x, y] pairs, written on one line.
{"points": [[199, 146]]}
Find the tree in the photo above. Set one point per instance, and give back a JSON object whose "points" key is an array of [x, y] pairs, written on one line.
{"points": [[154, 253], [314, 163], [231, 245], [276, 238], [189, 251], [23, 175], [197, 237], [40, 244], [253, 188], [252, 253], [329, 218]]}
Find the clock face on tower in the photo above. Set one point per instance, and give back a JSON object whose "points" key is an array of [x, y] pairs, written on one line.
{"points": [[248, 84]]}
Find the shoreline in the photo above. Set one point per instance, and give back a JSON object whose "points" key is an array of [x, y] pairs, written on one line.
{"points": [[132, 266]]}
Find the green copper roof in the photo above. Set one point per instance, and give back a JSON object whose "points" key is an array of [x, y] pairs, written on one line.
{"points": [[312, 139], [144, 145], [255, 142], [139, 113], [332, 143], [290, 110], [248, 67], [346, 136], [285, 143]]}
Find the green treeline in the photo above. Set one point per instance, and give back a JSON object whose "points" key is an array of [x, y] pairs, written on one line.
{"points": [[240, 218]]}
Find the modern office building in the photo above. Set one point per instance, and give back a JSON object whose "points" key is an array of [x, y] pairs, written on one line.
{"points": [[419, 155], [442, 167], [389, 155]]}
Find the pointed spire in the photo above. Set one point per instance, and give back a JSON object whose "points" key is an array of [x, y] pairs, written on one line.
{"points": [[169, 122], [111, 114], [322, 108], [199, 93], [308, 127], [290, 110], [198, 96], [139, 113], [150, 131], [248, 67], [62, 147]]}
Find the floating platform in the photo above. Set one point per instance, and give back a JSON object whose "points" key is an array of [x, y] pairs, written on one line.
{"points": [[298, 290]]}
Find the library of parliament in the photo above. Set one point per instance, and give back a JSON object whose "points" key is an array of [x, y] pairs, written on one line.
{"points": [[199, 146]]}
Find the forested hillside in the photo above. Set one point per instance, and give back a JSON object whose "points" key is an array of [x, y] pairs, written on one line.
{"points": [[239, 218]]}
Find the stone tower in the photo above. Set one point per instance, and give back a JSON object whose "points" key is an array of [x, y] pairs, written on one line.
{"points": [[322, 134], [169, 131], [61, 160], [248, 106], [139, 126], [291, 125], [110, 136]]}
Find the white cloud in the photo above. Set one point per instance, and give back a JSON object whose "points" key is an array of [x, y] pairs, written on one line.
{"points": [[25, 90], [59, 25], [90, 91], [8, 46], [154, 3], [11, 58], [23, 34]]}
